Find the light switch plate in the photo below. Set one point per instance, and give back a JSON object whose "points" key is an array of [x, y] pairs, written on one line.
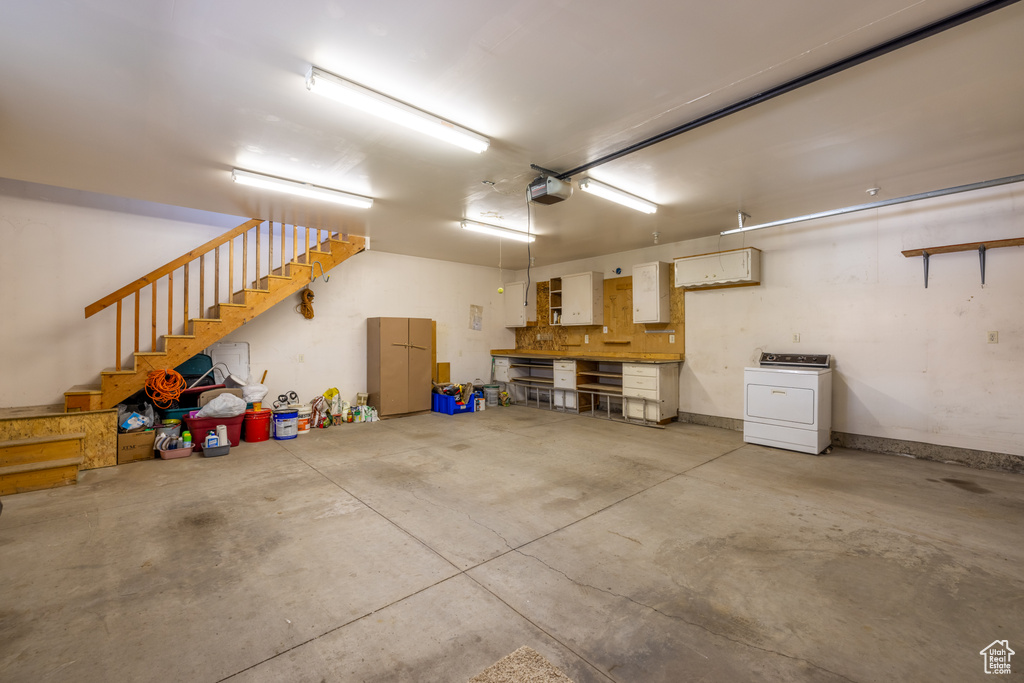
{"points": [[586, 339], [993, 337]]}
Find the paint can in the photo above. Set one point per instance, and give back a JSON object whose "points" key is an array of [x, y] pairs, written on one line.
{"points": [[286, 424], [304, 415], [256, 425]]}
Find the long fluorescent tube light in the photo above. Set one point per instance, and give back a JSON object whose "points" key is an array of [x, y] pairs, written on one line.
{"points": [[616, 195], [337, 88], [301, 189], [498, 231]]}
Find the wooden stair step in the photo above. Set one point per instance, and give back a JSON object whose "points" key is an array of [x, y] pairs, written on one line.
{"points": [[81, 398], [115, 371], [84, 389], [40, 449], [37, 476], [179, 336]]}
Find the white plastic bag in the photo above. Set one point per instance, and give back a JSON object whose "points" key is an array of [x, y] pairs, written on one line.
{"points": [[224, 405], [254, 393]]}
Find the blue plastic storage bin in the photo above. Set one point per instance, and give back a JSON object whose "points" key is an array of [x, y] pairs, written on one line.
{"points": [[447, 405]]}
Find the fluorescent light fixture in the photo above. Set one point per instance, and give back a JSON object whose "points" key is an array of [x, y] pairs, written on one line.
{"points": [[498, 231], [337, 88], [301, 189], [616, 195]]}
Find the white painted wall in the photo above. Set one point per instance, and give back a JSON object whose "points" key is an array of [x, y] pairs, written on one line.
{"points": [[910, 363], [63, 249], [376, 284]]}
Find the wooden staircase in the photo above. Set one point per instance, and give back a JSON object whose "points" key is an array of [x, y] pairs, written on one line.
{"points": [[270, 280]]}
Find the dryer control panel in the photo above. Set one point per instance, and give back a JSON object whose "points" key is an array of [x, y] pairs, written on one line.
{"points": [[793, 360]]}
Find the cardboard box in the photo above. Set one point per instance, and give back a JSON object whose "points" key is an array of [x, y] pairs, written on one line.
{"points": [[136, 445]]}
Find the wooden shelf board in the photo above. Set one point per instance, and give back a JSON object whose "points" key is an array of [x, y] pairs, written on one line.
{"points": [[970, 246], [596, 373], [533, 380], [606, 388], [529, 365]]}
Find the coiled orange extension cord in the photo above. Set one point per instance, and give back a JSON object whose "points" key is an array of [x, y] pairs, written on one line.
{"points": [[164, 387]]}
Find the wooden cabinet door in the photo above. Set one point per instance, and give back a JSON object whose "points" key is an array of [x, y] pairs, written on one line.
{"points": [[418, 364], [394, 366], [514, 308]]}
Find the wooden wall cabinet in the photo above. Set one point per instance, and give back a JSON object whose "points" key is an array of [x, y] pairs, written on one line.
{"points": [[733, 268], [651, 290], [515, 304], [583, 299], [398, 364]]}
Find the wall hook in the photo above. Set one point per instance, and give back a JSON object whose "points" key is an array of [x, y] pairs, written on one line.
{"points": [[325, 276]]}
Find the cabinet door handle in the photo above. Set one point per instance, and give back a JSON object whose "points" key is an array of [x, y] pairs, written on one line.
{"points": [[417, 347], [778, 391]]}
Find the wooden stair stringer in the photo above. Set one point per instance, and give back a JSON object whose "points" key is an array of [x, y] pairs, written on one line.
{"points": [[247, 304]]}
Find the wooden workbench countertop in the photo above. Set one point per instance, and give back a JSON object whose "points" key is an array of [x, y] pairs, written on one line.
{"points": [[568, 355]]}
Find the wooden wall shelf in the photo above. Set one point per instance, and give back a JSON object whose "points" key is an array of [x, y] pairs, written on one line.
{"points": [[980, 247]]}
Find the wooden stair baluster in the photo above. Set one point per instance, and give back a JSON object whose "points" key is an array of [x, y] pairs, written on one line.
{"points": [[202, 286], [170, 303], [153, 287], [245, 261], [137, 325], [216, 280], [184, 299], [118, 345]]}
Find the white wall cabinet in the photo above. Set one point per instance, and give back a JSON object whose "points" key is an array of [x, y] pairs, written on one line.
{"points": [[583, 299], [656, 382], [651, 289], [515, 304], [733, 268]]}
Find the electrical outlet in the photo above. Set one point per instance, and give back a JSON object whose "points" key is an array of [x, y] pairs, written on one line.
{"points": [[586, 339], [605, 329], [993, 337], [671, 339], [302, 358], [796, 337]]}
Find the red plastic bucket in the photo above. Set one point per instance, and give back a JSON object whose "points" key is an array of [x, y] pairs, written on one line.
{"points": [[256, 426]]}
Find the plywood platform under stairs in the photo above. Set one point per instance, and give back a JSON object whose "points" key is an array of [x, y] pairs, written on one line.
{"points": [[41, 462]]}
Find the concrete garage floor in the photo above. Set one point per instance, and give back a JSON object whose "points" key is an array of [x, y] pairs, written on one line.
{"points": [[427, 548]]}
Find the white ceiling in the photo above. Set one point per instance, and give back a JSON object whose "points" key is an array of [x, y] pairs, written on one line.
{"points": [[157, 100]]}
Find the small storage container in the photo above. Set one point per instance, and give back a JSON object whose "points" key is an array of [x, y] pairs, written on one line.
{"points": [[256, 425], [172, 453], [491, 394], [448, 405], [214, 451], [199, 426], [286, 424]]}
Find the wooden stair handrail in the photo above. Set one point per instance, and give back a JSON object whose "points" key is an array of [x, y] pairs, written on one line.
{"points": [[94, 308]]}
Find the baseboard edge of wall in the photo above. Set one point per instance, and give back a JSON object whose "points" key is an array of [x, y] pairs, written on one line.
{"points": [[953, 455]]}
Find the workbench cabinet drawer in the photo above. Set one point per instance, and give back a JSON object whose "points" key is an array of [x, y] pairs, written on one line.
{"points": [[567, 365], [565, 380], [641, 393], [634, 382], [639, 369]]}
